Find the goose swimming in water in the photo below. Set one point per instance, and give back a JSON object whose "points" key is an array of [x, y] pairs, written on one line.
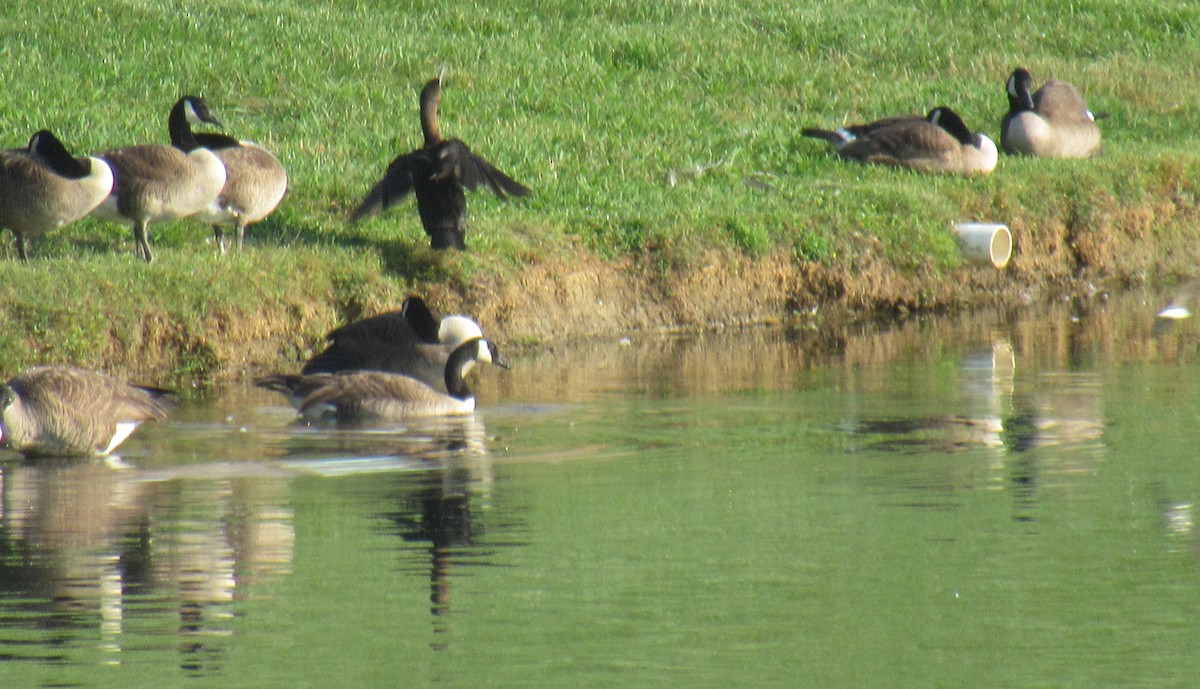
{"points": [[437, 174], [62, 411], [161, 182], [360, 396], [255, 180], [43, 187], [410, 341]]}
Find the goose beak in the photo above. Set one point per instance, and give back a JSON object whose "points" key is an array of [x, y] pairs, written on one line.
{"points": [[497, 360]]}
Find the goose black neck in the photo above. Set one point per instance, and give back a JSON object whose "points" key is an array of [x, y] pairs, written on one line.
{"points": [[949, 120], [51, 150], [1019, 97], [181, 131], [457, 366], [431, 95]]}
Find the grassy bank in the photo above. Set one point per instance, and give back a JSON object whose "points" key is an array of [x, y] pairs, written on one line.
{"points": [[597, 106]]}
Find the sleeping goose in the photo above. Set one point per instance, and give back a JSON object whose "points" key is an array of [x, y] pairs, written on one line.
{"points": [[409, 341], [61, 411], [43, 187], [437, 173], [255, 181], [1054, 122], [939, 143], [161, 182], [357, 396]]}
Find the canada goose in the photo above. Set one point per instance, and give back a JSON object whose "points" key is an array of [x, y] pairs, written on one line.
{"points": [[161, 182], [43, 187], [61, 411], [437, 173], [356, 396], [1052, 123], [255, 181], [939, 143], [410, 341]]}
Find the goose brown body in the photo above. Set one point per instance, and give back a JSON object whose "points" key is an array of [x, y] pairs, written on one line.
{"points": [[1054, 122], [255, 180], [67, 411], [160, 182], [410, 341], [42, 188], [941, 143], [357, 396], [437, 174]]}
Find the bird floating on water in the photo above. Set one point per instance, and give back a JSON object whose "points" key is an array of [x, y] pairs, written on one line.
{"points": [[411, 341], [363, 396], [63, 411]]}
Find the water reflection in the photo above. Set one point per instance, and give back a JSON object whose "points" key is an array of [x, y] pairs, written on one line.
{"points": [[89, 548], [87, 545], [440, 508], [674, 447], [1008, 416]]}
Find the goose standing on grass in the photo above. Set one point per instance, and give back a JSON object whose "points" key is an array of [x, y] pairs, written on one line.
{"points": [[362, 396], [1053, 123], [437, 173], [410, 341], [61, 411], [161, 182], [255, 180], [43, 187], [941, 142]]}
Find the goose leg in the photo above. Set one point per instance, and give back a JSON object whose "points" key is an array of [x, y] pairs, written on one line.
{"points": [[19, 239], [219, 234], [139, 235], [241, 230]]}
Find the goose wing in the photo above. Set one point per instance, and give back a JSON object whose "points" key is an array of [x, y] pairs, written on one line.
{"points": [[371, 393], [374, 343], [905, 143], [1059, 100]]}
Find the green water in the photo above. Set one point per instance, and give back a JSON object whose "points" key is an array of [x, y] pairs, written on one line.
{"points": [[993, 503]]}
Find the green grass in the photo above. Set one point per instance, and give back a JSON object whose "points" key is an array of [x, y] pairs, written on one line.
{"points": [[593, 104]]}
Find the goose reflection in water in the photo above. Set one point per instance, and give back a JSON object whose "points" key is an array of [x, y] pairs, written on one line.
{"points": [[1011, 418], [441, 473], [442, 507], [82, 541]]}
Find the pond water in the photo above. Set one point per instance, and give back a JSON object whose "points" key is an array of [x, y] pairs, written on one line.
{"points": [[997, 500]]}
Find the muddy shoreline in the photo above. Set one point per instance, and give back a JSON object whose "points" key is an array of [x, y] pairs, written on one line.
{"points": [[589, 298], [580, 295]]}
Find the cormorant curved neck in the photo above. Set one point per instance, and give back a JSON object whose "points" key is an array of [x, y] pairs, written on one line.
{"points": [[431, 95]]}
